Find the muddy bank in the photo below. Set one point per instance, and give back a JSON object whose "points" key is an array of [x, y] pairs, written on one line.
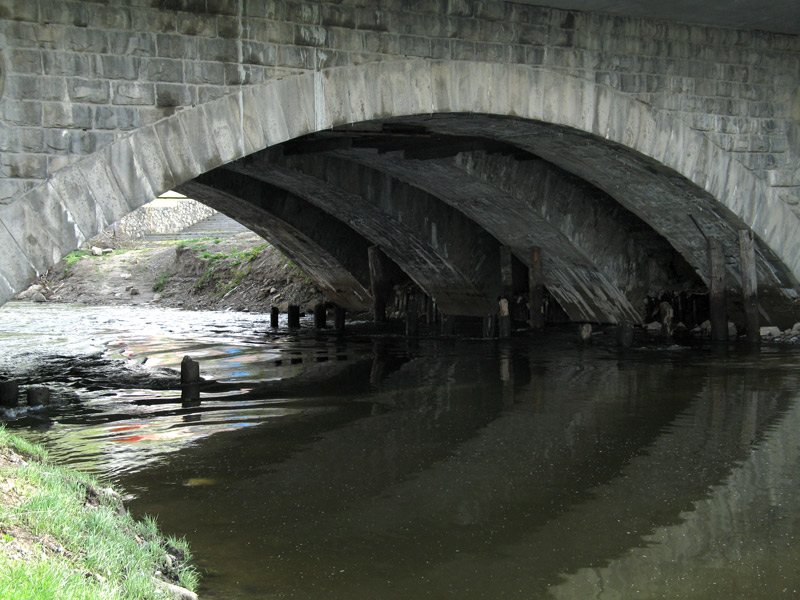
{"points": [[242, 272]]}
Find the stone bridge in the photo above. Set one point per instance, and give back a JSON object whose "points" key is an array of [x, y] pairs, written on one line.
{"points": [[443, 143]]}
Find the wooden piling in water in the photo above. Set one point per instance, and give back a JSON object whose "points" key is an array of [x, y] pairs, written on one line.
{"points": [[38, 396], [190, 381], [9, 393], [293, 316], [504, 319], [625, 334], [339, 317], [274, 313], [320, 316], [749, 285], [490, 326], [536, 288], [380, 284], [718, 302]]}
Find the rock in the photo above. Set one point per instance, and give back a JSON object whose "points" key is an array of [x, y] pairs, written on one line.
{"points": [[95, 251], [39, 297], [134, 291], [34, 289], [272, 290], [124, 275], [108, 251], [585, 332], [732, 331], [156, 297], [796, 328], [176, 591], [705, 326], [653, 327], [770, 332]]}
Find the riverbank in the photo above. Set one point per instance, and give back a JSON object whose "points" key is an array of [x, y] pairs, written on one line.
{"points": [[241, 272], [65, 535]]}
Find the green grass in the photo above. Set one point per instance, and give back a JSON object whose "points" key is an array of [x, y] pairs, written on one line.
{"points": [[106, 554], [161, 283]]}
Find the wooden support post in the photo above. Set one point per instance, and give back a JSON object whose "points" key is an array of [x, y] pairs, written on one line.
{"points": [[506, 272], [490, 326], [320, 316], [38, 396], [666, 315], [749, 286], [274, 313], [504, 319], [448, 324], [536, 289], [339, 315], [625, 334], [294, 316], [380, 284], [190, 382], [412, 323], [9, 394], [718, 303]]}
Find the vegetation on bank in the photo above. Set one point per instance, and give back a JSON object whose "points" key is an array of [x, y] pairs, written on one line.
{"points": [[65, 535]]}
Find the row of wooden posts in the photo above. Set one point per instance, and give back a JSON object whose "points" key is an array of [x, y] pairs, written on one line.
{"points": [[36, 395], [499, 323]]}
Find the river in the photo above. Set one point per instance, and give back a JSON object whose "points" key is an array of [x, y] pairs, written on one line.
{"points": [[369, 465]]}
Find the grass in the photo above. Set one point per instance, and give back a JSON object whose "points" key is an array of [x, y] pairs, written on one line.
{"points": [[161, 283], [63, 534]]}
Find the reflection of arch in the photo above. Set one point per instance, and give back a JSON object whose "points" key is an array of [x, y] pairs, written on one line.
{"points": [[579, 125]]}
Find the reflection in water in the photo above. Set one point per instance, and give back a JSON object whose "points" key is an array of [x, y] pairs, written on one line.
{"points": [[339, 467]]}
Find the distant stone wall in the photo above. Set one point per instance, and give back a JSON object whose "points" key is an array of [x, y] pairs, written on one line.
{"points": [[163, 216]]}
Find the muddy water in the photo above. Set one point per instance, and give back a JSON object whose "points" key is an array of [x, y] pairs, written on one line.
{"points": [[364, 466]]}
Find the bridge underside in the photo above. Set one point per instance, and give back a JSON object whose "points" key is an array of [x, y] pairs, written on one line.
{"points": [[457, 202]]}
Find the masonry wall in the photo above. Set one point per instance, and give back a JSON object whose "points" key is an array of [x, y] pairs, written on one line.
{"points": [[74, 76]]}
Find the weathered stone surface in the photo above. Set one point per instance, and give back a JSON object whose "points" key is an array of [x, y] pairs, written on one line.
{"points": [[712, 107]]}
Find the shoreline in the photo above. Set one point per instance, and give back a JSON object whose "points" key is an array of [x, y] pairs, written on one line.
{"points": [[61, 529]]}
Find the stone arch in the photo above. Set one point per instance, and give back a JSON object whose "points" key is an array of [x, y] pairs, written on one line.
{"points": [[78, 201]]}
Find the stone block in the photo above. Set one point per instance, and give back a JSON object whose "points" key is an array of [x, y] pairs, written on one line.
{"points": [[67, 13], [25, 60], [117, 67], [111, 205], [175, 95], [176, 46], [45, 205], [161, 70], [229, 28], [116, 118], [223, 7], [153, 20], [205, 72], [130, 93], [218, 49], [259, 53], [131, 180], [21, 112], [11, 189], [23, 166], [110, 17], [20, 10], [64, 114], [310, 35], [196, 125], [176, 145], [197, 25], [89, 91], [35, 87]]}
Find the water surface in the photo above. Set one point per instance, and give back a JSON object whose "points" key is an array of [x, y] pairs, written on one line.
{"points": [[373, 466]]}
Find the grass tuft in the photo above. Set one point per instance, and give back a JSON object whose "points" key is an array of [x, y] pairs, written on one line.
{"points": [[66, 535]]}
